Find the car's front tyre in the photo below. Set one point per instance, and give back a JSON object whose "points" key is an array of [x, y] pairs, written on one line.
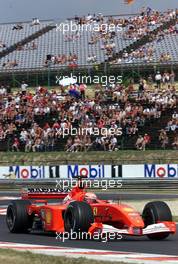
{"points": [[155, 212], [78, 217]]}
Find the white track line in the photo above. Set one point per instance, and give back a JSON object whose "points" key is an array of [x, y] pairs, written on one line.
{"points": [[3, 211], [112, 256], [5, 198]]}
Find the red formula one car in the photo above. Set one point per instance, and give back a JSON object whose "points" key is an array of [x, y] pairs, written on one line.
{"points": [[81, 211]]}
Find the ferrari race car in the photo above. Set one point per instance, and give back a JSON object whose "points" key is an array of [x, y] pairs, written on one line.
{"points": [[80, 211]]}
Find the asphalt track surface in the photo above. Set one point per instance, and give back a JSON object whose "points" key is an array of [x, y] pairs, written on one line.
{"points": [[113, 195], [126, 244]]}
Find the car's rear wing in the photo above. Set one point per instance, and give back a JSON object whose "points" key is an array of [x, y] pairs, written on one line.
{"points": [[44, 193]]}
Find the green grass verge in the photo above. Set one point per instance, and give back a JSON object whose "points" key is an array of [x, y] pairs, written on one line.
{"points": [[9, 256], [122, 157]]}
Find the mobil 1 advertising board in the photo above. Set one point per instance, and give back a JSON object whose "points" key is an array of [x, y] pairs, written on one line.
{"points": [[150, 171], [59, 171], [146, 171]]}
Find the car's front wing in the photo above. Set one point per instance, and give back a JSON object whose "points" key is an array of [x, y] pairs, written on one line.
{"points": [[163, 227]]}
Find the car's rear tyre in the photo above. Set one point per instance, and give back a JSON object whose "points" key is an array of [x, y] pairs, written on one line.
{"points": [[78, 217], [155, 212], [17, 218]]}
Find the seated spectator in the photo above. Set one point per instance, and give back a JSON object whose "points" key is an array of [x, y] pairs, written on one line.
{"points": [[163, 138], [87, 143], [73, 91], [23, 135], [105, 143], [18, 26], [68, 144], [91, 58], [113, 143], [28, 144], [2, 134], [35, 21], [76, 146], [147, 140], [172, 125], [20, 47], [140, 143], [172, 77], [10, 64], [72, 65], [15, 144], [166, 78], [82, 89], [37, 145], [175, 115], [3, 90], [33, 46], [97, 144], [175, 142], [2, 45], [50, 141]]}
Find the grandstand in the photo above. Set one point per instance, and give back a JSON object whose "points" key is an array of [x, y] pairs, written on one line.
{"points": [[33, 120], [38, 121], [11, 36], [104, 46]]}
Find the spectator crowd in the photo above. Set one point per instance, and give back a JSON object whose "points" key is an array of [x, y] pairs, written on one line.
{"points": [[36, 120]]}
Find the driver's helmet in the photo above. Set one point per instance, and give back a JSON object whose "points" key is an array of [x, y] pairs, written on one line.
{"points": [[90, 197]]}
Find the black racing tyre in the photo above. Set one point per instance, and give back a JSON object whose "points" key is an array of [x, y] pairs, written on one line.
{"points": [[78, 217], [17, 219], [155, 212]]}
